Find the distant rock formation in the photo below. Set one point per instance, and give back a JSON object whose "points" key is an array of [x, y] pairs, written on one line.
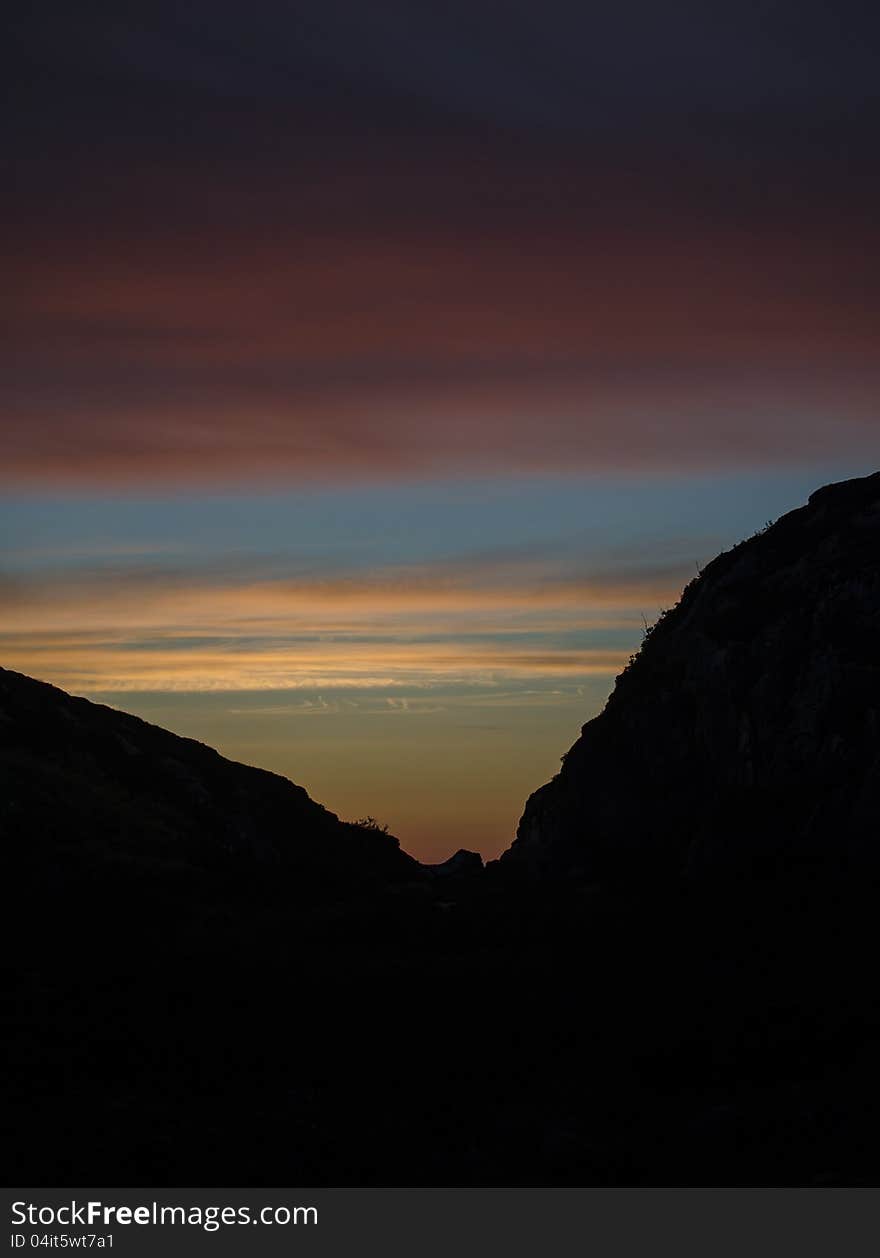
{"points": [[745, 735], [462, 864], [84, 784]]}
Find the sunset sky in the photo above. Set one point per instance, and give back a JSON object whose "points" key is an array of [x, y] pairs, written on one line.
{"points": [[372, 371]]}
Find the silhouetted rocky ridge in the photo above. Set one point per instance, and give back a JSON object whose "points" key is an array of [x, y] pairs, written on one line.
{"points": [[745, 734], [86, 785]]}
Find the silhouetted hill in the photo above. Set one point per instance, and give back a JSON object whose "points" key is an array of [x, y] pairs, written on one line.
{"points": [[85, 786], [745, 735]]}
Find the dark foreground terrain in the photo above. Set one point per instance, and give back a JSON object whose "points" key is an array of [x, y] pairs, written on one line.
{"points": [[669, 979]]}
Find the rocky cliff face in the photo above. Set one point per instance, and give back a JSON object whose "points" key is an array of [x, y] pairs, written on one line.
{"points": [[84, 785], [745, 735]]}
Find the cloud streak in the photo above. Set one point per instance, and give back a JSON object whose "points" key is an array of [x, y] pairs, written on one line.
{"points": [[476, 618], [334, 361]]}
